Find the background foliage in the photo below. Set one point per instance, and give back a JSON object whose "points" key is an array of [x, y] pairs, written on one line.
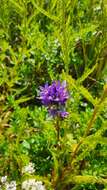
{"points": [[47, 40]]}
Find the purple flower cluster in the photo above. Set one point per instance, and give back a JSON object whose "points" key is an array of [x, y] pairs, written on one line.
{"points": [[54, 97]]}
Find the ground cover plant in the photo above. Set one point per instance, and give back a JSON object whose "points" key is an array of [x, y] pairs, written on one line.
{"points": [[53, 94]]}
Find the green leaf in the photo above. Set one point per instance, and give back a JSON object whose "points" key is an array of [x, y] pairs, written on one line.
{"points": [[82, 90], [19, 8], [87, 72], [85, 179], [52, 17], [26, 144]]}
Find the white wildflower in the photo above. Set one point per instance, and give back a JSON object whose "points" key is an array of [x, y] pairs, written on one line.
{"points": [[40, 186], [11, 185], [31, 184], [3, 179], [29, 168]]}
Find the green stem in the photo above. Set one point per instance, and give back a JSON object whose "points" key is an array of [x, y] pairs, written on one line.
{"points": [[58, 130], [55, 172], [65, 37]]}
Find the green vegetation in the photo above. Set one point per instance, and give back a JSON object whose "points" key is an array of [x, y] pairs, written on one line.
{"points": [[42, 41]]}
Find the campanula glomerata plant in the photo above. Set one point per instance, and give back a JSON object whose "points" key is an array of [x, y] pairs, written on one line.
{"points": [[54, 97]]}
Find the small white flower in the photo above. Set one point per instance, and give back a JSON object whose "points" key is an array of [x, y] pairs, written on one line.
{"points": [[29, 168], [31, 184], [28, 184], [40, 186], [11, 185], [3, 179]]}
